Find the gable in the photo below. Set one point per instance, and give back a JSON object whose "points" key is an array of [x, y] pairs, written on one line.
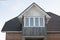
{"points": [[34, 10]]}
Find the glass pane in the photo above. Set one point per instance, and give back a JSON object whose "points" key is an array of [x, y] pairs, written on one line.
{"points": [[31, 21], [36, 22], [26, 22], [41, 21]]}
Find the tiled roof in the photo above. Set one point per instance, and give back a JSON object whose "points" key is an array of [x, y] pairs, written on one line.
{"points": [[12, 25], [54, 23]]}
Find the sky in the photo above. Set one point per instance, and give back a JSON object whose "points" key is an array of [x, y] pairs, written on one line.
{"points": [[12, 8]]}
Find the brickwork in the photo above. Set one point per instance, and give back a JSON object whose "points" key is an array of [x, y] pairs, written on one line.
{"points": [[18, 36], [53, 36], [13, 36]]}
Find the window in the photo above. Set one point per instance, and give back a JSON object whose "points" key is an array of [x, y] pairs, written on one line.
{"points": [[41, 21], [33, 22], [26, 22], [36, 22]]}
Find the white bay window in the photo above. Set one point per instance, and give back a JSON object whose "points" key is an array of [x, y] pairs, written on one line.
{"points": [[34, 22]]}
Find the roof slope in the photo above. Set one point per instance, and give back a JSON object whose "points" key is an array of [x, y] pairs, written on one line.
{"points": [[15, 25], [12, 25], [54, 23]]}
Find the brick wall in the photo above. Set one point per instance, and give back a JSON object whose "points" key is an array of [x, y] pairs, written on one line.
{"points": [[18, 36], [13, 36], [53, 36]]}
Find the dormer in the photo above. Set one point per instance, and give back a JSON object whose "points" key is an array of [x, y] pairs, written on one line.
{"points": [[34, 16], [34, 20]]}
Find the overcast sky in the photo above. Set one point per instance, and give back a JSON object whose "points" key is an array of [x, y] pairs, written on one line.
{"points": [[12, 8]]}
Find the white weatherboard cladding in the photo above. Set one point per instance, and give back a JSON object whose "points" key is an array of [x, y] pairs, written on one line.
{"points": [[34, 12]]}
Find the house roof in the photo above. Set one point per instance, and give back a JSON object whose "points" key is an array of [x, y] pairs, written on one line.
{"points": [[12, 25], [15, 25], [54, 23]]}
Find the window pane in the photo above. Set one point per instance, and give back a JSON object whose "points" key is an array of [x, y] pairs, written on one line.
{"points": [[41, 21], [36, 22], [31, 21], [26, 22]]}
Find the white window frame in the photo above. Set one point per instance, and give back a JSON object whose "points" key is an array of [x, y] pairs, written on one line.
{"points": [[34, 22], [43, 22], [38, 22], [24, 21]]}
